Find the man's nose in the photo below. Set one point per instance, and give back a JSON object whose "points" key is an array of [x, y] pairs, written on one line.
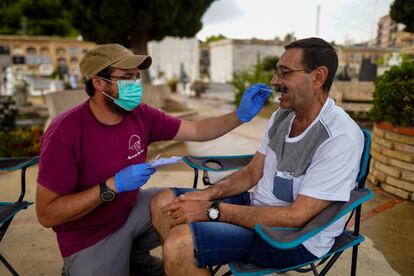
{"points": [[275, 81]]}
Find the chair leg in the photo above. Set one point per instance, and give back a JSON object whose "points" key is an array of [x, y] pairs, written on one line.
{"points": [[8, 266], [330, 263], [211, 270], [354, 260], [214, 269], [4, 227], [315, 272], [195, 178]]}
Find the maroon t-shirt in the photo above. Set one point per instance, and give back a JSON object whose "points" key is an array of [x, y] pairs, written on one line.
{"points": [[78, 152]]}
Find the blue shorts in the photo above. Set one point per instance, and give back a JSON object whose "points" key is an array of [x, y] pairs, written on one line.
{"points": [[217, 243]]}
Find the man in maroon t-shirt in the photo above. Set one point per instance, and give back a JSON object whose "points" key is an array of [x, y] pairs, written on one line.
{"points": [[92, 162]]}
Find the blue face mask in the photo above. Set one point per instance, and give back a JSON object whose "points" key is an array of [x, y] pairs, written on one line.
{"points": [[130, 93]]}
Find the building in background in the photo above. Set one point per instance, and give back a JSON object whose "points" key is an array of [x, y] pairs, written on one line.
{"points": [[408, 51], [230, 55], [391, 34], [175, 58], [42, 55], [38, 58], [350, 59]]}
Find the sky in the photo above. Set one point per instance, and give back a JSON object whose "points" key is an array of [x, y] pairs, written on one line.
{"points": [[339, 20]]}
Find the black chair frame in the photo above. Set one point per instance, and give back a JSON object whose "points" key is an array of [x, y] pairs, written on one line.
{"points": [[8, 210]]}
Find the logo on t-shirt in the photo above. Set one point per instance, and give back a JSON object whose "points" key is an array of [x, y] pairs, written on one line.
{"points": [[135, 146]]}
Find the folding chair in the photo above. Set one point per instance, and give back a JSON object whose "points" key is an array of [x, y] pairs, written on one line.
{"points": [[9, 209], [286, 238]]}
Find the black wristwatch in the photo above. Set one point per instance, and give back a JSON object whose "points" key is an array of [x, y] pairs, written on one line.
{"points": [[213, 212], [106, 193]]}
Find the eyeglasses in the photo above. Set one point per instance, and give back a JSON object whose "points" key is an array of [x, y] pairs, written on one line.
{"points": [[282, 73], [134, 78]]}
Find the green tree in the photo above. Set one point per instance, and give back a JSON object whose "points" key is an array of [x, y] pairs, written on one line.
{"points": [[34, 17], [262, 72], [133, 23], [213, 38], [278, 39], [289, 37], [269, 63], [394, 96], [402, 11]]}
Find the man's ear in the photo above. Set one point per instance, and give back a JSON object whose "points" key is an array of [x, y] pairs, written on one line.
{"points": [[321, 74], [98, 83]]}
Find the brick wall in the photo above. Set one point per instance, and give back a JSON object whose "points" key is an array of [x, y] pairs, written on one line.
{"points": [[392, 164]]}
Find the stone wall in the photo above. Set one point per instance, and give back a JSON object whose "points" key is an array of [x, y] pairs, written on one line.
{"points": [[352, 91], [158, 96], [392, 164]]}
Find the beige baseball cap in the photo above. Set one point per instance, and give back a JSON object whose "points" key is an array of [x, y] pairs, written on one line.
{"points": [[114, 55]]}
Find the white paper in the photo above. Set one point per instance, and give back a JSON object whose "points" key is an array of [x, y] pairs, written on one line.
{"points": [[165, 161]]}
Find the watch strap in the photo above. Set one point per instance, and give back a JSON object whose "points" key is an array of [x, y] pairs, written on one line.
{"points": [[215, 204], [103, 187]]}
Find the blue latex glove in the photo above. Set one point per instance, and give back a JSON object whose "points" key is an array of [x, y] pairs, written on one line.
{"points": [[133, 177], [252, 101]]}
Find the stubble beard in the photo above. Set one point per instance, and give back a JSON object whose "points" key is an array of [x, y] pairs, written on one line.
{"points": [[113, 107]]}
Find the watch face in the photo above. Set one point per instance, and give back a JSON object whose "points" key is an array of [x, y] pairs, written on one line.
{"points": [[213, 213], [108, 196]]}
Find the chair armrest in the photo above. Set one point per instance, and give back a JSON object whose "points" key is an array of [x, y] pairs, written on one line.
{"points": [[285, 238], [16, 163]]}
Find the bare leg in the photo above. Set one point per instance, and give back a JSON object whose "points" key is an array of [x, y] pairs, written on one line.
{"points": [[161, 221], [178, 253]]}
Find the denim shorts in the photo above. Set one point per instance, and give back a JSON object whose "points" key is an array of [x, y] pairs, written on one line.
{"points": [[217, 243]]}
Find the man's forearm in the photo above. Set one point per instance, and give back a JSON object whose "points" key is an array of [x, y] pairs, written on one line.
{"points": [[240, 181], [67, 207], [297, 214], [249, 216], [237, 183], [211, 128]]}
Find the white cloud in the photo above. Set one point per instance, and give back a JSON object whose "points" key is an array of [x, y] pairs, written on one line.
{"points": [[222, 11], [266, 19]]}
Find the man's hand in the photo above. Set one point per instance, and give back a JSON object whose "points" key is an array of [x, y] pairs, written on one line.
{"points": [[252, 101], [133, 177], [184, 211], [196, 195]]}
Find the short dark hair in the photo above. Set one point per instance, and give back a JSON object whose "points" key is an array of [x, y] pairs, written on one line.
{"points": [[317, 52], [105, 73]]}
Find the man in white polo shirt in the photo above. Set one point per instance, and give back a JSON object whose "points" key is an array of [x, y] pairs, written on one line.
{"points": [[309, 157]]}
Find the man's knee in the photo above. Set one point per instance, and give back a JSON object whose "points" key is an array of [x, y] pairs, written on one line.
{"points": [[161, 199], [179, 239]]}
